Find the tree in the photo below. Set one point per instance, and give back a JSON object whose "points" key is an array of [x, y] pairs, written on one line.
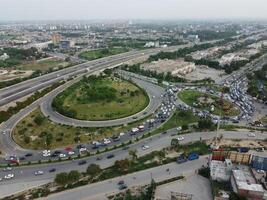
{"points": [[234, 196], [39, 119], [133, 154], [174, 142], [61, 178], [122, 164], [161, 155], [185, 127], [73, 176], [205, 124], [93, 170]]}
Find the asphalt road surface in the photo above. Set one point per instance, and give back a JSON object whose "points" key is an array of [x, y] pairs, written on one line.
{"points": [[26, 174], [100, 190]]}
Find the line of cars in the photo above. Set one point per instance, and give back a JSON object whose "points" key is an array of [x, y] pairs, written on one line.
{"points": [[239, 95], [165, 110]]}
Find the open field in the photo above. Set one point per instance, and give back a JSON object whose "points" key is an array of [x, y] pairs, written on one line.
{"points": [[32, 132], [96, 54], [44, 65], [103, 99], [179, 118], [204, 101]]}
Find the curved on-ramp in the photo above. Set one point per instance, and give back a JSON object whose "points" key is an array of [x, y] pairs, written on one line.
{"points": [[154, 93]]}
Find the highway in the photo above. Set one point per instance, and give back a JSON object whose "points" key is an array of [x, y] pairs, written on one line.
{"points": [[101, 190], [157, 142], [15, 92]]}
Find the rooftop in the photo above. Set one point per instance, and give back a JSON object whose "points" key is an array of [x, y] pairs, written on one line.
{"points": [[245, 180]]}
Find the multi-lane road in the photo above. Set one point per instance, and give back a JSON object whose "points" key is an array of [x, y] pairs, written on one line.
{"points": [[15, 92], [157, 142]]}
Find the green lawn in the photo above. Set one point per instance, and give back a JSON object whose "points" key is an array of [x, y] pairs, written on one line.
{"points": [[179, 118], [44, 65], [128, 99], [30, 133], [191, 97], [96, 54]]}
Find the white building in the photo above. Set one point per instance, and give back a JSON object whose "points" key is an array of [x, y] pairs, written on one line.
{"points": [[221, 171], [4, 57]]}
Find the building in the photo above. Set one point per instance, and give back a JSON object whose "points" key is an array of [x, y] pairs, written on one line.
{"points": [[244, 184], [175, 67], [229, 58], [221, 171], [66, 44], [259, 163], [4, 57], [193, 38], [56, 37]]}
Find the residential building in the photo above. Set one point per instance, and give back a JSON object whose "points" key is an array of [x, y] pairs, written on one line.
{"points": [[244, 184], [221, 170]]}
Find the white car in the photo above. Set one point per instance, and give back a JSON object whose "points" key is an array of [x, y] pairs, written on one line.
{"points": [[82, 149], [62, 155], [71, 153], [261, 171], [9, 176], [179, 128], [38, 173], [122, 134], [7, 169], [145, 147], [106, 141], [251, 135], [180, 138], [46, 153]]}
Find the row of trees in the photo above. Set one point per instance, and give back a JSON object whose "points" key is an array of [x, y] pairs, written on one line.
{"points": [[16, 56], [5, 115], [153, 74], [256, 84]]}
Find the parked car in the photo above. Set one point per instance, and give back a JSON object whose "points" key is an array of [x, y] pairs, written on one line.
{"points": [[181, 159], [193, 156], [122, 187]]}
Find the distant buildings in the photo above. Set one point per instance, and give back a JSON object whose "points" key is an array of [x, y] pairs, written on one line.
{"points": [[193, 38], [66, 44], [175, 67], [152, 44], [56, 37]]}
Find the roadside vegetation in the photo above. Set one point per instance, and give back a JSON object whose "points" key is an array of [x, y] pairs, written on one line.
{"points": [[257, 83], [5, 115], [179, 119], [153, 74], [205, 101], [101, 53], [17, 56], [35, 131], [101, 98], [44, 65]]}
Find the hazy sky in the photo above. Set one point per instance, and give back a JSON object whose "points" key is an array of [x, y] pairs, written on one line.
{"points": [[131, 9]]}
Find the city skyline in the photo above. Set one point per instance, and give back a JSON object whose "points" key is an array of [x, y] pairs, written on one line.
{"points": [[130, 9]]}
